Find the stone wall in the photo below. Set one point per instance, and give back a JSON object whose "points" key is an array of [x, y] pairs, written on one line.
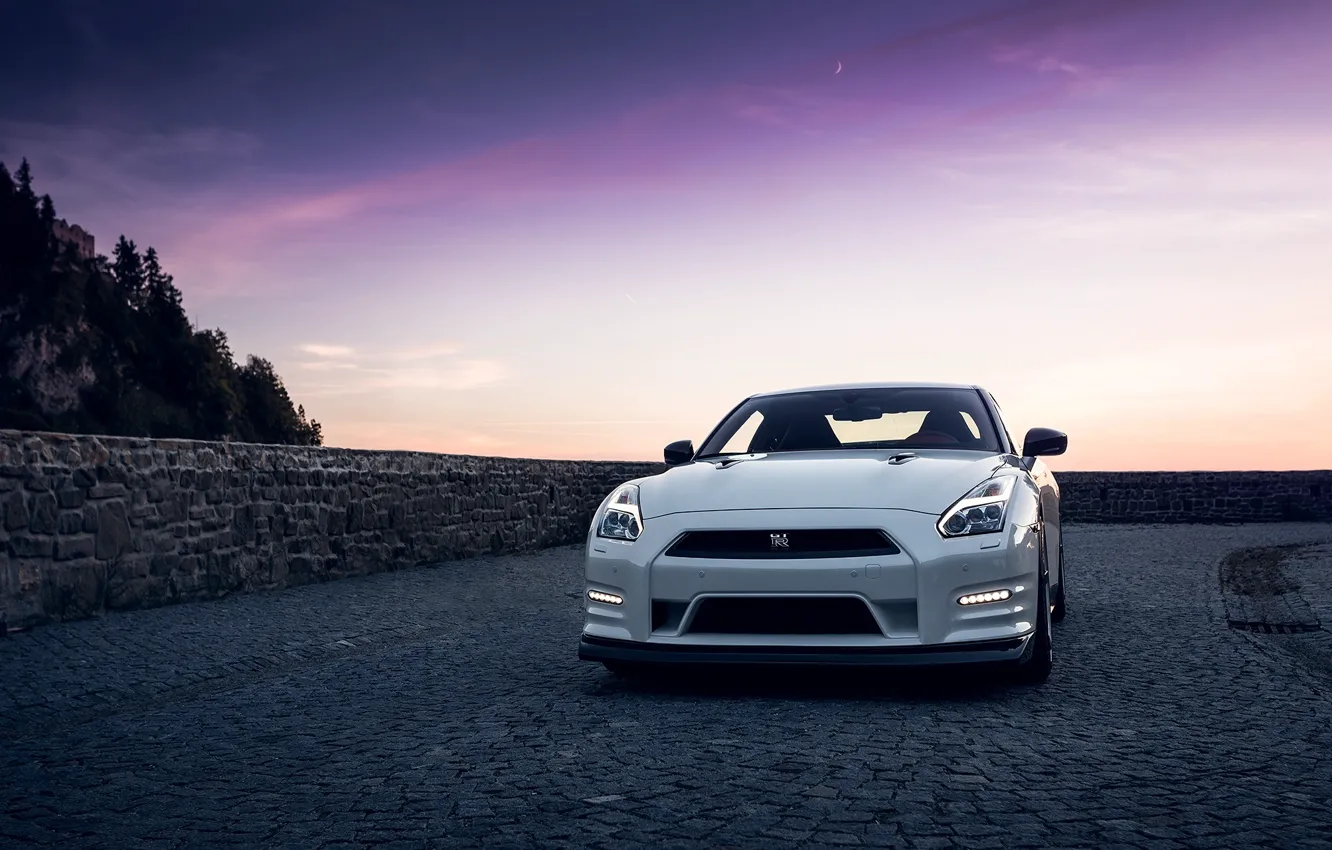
{"points": [[90, 524], [1198, 497]]}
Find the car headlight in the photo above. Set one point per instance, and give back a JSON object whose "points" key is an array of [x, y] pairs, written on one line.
{"points": [[621, 518], [981, 511]]}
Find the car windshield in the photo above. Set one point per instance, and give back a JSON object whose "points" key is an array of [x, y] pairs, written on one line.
{"points": [[877, 418]]}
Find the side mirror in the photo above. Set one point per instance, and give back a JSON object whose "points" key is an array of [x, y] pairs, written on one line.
{"points": [[679, 452], [1043, 442]]}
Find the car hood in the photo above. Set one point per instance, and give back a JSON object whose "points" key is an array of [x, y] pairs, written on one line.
{"points": [[930, 482]]}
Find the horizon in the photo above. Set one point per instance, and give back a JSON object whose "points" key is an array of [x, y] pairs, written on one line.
{"points": [[1239, 470], [483, 222]]}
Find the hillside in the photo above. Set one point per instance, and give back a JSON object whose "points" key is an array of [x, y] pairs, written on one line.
{"points": [[97, 345]]}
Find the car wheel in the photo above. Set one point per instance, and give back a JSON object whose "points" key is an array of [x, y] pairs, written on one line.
{"points": [[1036, 667], [1060, 604]]}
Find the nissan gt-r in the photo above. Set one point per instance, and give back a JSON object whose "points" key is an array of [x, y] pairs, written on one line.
{"points": [[876, 524]]}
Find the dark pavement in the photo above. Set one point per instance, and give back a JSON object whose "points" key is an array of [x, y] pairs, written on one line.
{"points": [[446, 708]]}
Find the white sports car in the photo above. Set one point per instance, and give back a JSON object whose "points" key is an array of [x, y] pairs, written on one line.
{"points": [[852, 524]]}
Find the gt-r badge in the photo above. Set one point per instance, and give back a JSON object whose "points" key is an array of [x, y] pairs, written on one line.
{"points": [[779, 541]]}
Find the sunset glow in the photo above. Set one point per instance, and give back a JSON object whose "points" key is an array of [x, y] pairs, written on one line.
{"points": [[584, 234]]}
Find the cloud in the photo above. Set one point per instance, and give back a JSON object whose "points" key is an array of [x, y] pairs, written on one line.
{"points": [[433, 366], [811, 111], [637, 152], [1164, 184], [126, 162], [425, 352], [1242, 168], [1173, 225], [320, 350], [155, 187], [673, 146], [983, 22], [768, 114], [608, 156], [455, 376], [343, 352], [1030, 58], [1044, 98], [784, 110], [463, 375], [1028, 19]]}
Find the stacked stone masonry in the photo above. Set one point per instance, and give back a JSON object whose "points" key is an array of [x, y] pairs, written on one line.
{"points": [[1196, 497], [92, 524], [89, 524]]}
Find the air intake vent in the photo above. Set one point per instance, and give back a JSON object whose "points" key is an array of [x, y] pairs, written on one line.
{"points": [[799, 615], [800, 543]]}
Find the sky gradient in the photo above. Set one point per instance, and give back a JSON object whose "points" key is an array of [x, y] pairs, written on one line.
{"points": [[585, 229]]}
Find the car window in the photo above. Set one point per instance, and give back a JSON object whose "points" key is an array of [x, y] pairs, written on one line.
{"points": [[1003, 426], [971, 424], [890, 426], [878, 417], [741, 442]]}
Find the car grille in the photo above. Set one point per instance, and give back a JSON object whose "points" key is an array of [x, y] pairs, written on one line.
{"points": [[801, 543], [774, 615]]}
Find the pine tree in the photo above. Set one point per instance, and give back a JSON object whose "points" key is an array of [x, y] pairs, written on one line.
{"points": [[127, 269], [310, 433], [10, 277], [217, 404], [160, 287], [26, 249], [24, 177], [155, 375]]}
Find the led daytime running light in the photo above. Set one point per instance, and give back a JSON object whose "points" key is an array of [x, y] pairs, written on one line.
{"points": [[982, 598]]}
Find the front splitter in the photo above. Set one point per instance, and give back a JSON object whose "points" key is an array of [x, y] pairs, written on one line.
{"points": [[592, 648]]}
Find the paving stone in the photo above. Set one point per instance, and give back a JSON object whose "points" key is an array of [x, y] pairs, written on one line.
{"points": [[459, 716]]}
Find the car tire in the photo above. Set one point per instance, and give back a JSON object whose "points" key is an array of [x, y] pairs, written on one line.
{"points": [[1036, 667], [1060, 602]]}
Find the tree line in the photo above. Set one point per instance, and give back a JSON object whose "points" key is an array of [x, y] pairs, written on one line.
{"points": [[103, 345]]}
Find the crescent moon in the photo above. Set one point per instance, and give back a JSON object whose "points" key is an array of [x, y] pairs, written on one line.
{"points": [[839, 68]]}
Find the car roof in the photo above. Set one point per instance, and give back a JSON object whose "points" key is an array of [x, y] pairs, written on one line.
{"points": [[878, 385]]}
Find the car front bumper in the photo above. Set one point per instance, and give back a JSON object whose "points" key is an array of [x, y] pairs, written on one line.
{"points": [[912, 596], [592, 648]]}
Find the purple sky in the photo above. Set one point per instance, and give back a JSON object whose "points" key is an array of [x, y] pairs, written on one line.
{"points": [[585, 229]]}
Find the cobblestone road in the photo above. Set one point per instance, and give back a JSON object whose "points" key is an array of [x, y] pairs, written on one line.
{"points": [[446, 707]]}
